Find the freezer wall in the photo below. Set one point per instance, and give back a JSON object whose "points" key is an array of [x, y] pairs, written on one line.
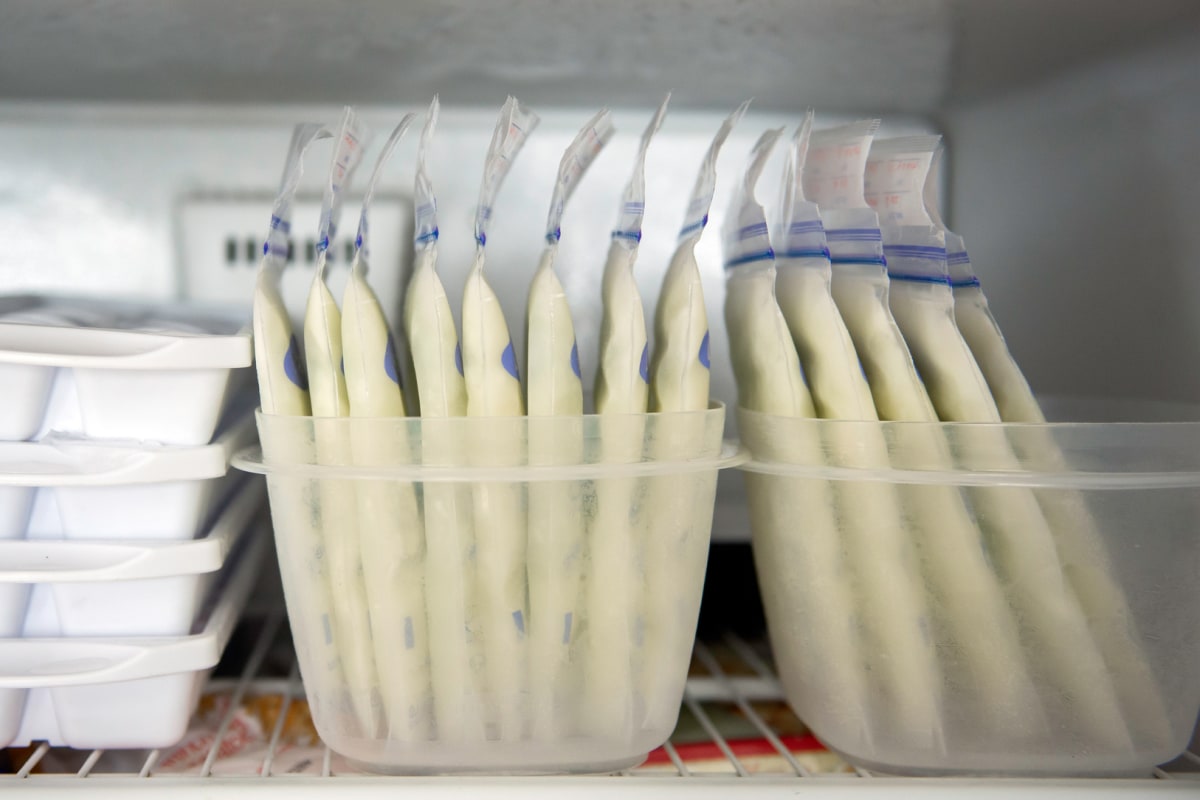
{"points": [[1079, 200]]}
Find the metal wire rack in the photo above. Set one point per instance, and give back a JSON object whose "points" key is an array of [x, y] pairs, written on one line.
{"points": [[732, 740]]}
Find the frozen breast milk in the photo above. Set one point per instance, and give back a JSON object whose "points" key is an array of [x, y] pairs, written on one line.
{"points": [[970, 611], [679, 382], [622, 393], [1020, 541], [327, 392], [283, 389], [494, 390], [1080, 547], [455, 649], [390, 532], [880, 551], [555, 389], [769, 380]]}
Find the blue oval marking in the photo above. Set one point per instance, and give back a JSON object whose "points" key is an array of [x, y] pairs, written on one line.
{"points": [[292, 366], [575, 360], [509, 360], [458, 357], [704, 351], [644, 367], [342, 365], [390, 365]]}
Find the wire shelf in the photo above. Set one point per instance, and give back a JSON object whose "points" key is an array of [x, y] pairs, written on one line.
{"points": [[733, 738]]}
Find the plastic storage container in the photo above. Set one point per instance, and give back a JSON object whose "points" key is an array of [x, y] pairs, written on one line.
{"points": [[113, 370], [458, 601], [131, 588], [1069, 646], [120, 692], [66, 487]]}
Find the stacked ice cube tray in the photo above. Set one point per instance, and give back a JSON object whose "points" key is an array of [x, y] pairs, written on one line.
{"points": [[127, 546]]}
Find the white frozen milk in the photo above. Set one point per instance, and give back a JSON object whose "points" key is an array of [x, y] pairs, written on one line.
{"points": [[622, 394], [455, 651], [283, 389], [769, 380], [327, 393], [494, 390], [554, 389], [679, 382], [390, 531]]}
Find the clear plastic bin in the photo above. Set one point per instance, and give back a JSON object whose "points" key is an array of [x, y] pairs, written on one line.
{"points": [[493, 594], [1050, 597]]}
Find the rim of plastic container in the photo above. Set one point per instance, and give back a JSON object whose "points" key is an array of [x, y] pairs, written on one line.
{"points": [[731, 454], [250, 459], [965, 477]]}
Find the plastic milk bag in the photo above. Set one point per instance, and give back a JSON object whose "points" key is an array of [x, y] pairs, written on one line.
{"points": [[555, 389], [327, 392], [494, 390]]}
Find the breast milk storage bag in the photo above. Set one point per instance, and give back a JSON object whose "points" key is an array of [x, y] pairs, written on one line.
{"points": [[391, 536], [555, 509], [327, 395], [622, 394], [494, 390], [283, 390], [679, 382], [455, 651]]}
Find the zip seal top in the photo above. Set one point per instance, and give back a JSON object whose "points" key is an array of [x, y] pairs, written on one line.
{"points": [[352, 139], [362, 251], [515, 124], [706, 182], [633, 203], [425, 224], [275, 245], [894, 182], [916, 253], [747, 238], [962, 274], [578, 156], [801, 232], [835, 163]]}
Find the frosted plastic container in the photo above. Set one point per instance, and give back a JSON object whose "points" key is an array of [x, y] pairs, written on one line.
{"points": [[67, 487], [117, 370], [120, 692], [688, 451], [119, 588], [1141, 483]]}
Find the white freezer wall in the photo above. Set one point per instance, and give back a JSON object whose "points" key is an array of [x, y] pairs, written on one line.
{"points": [[1080, 202]]}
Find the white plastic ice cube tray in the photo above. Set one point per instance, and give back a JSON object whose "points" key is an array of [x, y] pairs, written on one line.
{"points": [[57, 588], [112, 370], [68, 487], [120, 692]]}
